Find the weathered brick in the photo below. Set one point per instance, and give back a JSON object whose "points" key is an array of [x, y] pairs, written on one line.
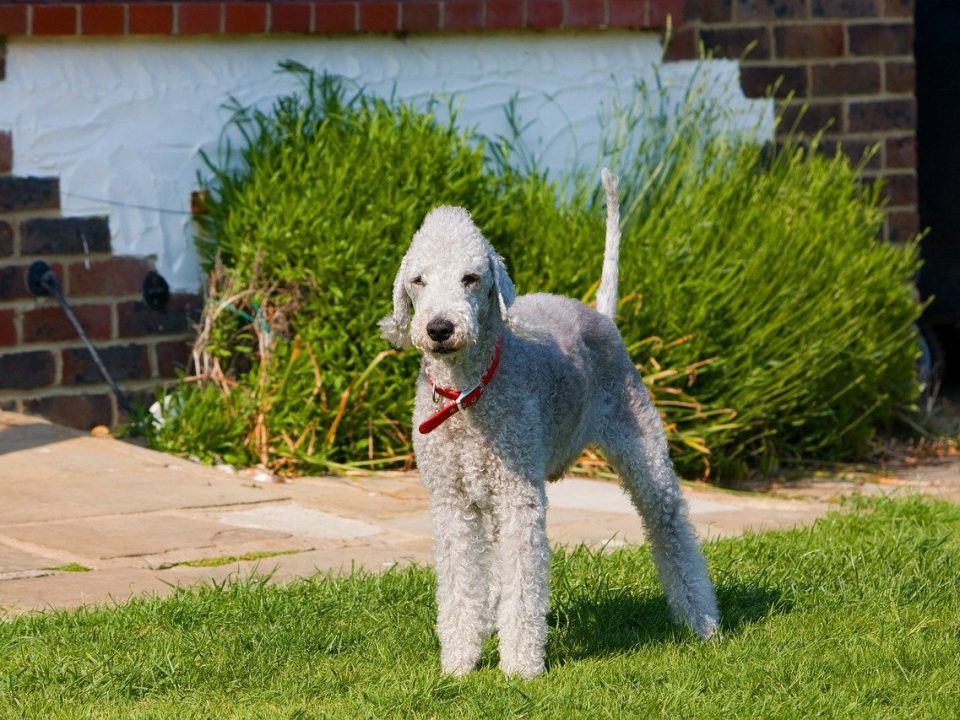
{"points": [[544, 14], [901, 189], [858, 78], [245, 18], [898, 189], [769, 9], [8, 328], [735, 42], [460, 15], [681, 45], [902, 225], [54, 236], [901, 76], [660, 10], [582, 14], [290, 17], [811, 117], [898, 8], [50, 323], [625, 13], [335, 17], [198, 18], [881, 39], [13, 19], [845, 8], [150, 18], [809, 41], [902, 152], [119, 275], [137, 319], [508, 15], [710, 11], [54, 20], [78, 411], [6, 144], [102, 19], [419, 16], [782, 80], [377, 16], [173, 357], [860, 152], [882, 115], [123, 362], [28, 193], [6, 239], [25, 370], [13, 281]]}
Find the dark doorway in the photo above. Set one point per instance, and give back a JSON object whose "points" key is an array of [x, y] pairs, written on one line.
{"points": [[938, 151], [938, 166]]}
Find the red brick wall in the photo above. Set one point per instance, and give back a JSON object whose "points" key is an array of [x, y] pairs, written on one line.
{"points": [[44, 366], [329, 16], [850, 61]]}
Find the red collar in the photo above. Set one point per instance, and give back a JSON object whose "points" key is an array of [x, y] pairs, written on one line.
{"points": [[461, 400]]}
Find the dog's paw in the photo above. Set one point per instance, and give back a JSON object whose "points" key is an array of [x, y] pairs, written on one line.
{"points": [[457, 664], [705, 626], [526, 668]]}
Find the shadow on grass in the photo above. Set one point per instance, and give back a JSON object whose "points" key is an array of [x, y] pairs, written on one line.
{"points": [[599, 627]]}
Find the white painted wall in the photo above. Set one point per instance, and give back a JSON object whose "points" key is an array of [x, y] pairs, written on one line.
{"points": [[121, 121]]}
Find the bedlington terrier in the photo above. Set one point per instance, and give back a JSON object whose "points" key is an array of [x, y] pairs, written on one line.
{"points": [[511, 390]]}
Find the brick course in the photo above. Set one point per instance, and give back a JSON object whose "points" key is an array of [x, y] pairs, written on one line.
{"points": [[24, 370], [50, 324], [333, 17], [29, 193]]}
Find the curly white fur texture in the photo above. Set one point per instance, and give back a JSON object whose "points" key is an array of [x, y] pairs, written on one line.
{"points": [[565, 381]]}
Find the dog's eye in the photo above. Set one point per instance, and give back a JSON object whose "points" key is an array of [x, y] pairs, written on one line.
{"points": [[418, 280], [470, 279]]}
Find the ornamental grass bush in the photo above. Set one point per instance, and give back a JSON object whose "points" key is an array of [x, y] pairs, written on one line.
{"points": [[770, 324]]}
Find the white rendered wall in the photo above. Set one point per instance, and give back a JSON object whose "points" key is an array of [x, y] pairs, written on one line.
{"points": [[120, 122]]}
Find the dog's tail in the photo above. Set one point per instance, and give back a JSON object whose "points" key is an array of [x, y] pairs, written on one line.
{"points": [[609, 278]]}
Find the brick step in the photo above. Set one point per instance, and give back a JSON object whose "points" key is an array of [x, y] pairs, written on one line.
{"points": [[28, 193], [63, 368]]}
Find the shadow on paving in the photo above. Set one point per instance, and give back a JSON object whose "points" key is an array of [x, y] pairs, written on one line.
{"points": [[17, 437]]}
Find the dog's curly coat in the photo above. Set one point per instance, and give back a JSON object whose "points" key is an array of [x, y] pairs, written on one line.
{"points": [[564, 381]]}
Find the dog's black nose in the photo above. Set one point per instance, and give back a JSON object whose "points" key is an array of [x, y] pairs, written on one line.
{"points": [[439, 329]]}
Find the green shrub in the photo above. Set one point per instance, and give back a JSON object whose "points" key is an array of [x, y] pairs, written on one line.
{"points": [[751, 280]]}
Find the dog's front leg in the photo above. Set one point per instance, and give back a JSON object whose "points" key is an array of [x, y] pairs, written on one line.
{"points": [[523, 569], [462, 566]]}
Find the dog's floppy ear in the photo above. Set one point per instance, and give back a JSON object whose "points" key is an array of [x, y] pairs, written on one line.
{"points": [[394, 327], [503, 285]]}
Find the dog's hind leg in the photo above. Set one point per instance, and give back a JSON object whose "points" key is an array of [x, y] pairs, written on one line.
{"points": [[633, 441]]}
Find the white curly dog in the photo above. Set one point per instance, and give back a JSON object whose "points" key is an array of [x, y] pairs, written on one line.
{"points": [[511, 390]]}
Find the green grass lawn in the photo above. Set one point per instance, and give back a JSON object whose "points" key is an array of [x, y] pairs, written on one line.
{"points": [[857, 616]]}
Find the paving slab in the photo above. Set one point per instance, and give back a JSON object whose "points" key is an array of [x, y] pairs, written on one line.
{"points": [[52, 472], [294, 519], [135, 516], [16, 561], [124, 537]]}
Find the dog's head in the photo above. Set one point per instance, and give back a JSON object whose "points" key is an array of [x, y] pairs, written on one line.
{"points": [[453, 279]]}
